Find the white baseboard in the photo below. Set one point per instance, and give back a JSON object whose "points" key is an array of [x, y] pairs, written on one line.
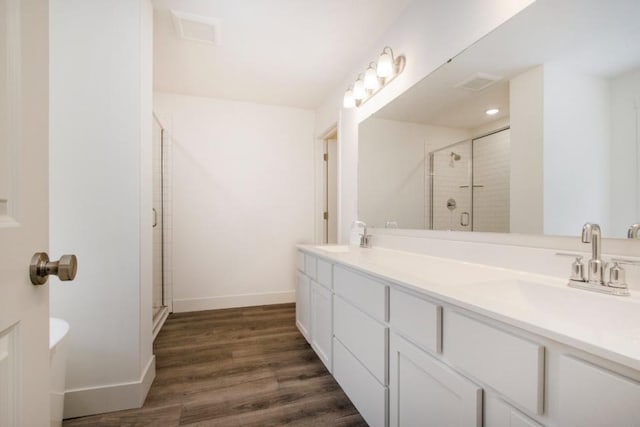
{"points": [[112, 397], [231, 301]]}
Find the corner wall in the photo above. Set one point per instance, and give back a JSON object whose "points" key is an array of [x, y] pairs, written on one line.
{"points": [[243, 177], [100, 198]]}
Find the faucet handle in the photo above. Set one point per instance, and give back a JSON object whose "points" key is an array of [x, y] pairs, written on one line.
{"points": [[617, 277], [577, 267]]}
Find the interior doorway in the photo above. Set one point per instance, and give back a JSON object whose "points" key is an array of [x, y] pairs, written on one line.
{"points": [[330, 188]]}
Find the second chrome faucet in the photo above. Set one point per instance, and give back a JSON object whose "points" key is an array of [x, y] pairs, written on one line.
{"points": [[601, 277]]}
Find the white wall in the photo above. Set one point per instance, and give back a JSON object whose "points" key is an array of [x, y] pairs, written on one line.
{"points": [[243, 196], [100, 197], [393, 170], [526, 192], [577, 131], [428, 33]]}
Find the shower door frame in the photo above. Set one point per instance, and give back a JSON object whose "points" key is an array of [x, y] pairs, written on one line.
{"points": [[471, 177], [159, 318]]}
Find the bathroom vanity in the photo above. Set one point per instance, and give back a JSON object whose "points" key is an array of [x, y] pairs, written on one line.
{"points": [[416, 340]]}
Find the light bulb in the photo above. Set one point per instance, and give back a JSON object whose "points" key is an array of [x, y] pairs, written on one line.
{"points": [[371, 81], [492, 112], [385, 64], [348, 101], [358, 90]]}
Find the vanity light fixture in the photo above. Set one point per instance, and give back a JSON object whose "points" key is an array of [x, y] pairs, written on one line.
{"points": [[371, 80], [349, 101], [377, 75], [359, 93], [492, 111]]}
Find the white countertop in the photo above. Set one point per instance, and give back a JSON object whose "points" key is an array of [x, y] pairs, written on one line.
{"points": [[605, 325]]}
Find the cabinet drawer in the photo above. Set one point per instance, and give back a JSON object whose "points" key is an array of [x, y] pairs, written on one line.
{"points": [[364, 292], [511, 365], [324, 274], [300, 261], [365, 338], [367, 395], [416, 319], [310, 265], [592, 396]]}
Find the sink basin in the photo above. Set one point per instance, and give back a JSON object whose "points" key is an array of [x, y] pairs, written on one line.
{"points": [[334, 248]]}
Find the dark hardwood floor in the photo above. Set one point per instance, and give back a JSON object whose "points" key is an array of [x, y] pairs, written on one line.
{"points": [[236, 367]]}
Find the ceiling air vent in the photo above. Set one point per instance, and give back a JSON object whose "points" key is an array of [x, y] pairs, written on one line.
{"points": [[478, 81], [196, 27]]}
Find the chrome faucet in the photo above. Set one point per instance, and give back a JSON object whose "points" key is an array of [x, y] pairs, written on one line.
{"points": [[607, 278], [634, 232], [365, 239], [591, 234]]}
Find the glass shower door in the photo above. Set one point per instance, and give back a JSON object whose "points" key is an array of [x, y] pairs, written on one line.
{"points": [[491, 182], [451, 187], [157, 233]]}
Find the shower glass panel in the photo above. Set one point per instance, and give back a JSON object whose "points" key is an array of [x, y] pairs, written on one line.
{"points": [[491, 175], [451, 187], [157, 204]]}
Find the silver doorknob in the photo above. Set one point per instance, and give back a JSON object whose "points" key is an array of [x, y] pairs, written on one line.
{"points": [[40, 268]]}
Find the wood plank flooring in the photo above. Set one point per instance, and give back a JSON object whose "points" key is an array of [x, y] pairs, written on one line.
{"points": [[236, 367]]}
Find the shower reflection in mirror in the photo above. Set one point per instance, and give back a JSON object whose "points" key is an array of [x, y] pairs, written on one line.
{"points": [[468, 188]]}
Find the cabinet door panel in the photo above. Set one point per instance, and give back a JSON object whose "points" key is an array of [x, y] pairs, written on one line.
{"points": [[497, 413], [321, 323], [303, 305], [366, 393], [424, 390], [592, 396]]}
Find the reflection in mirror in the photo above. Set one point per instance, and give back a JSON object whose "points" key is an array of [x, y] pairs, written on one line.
{"points": [[533, 129]]}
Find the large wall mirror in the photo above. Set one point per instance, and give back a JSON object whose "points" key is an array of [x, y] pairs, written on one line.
{"points": [[533, 129]]}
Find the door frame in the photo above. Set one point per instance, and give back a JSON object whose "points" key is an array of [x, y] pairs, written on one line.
{"points": [[320, 179]]}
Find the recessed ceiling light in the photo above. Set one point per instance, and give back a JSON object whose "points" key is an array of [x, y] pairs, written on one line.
{"points": [[492, 112]]}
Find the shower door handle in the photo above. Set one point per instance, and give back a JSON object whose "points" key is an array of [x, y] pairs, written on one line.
{"points": [[464, 219], [155, 217]]}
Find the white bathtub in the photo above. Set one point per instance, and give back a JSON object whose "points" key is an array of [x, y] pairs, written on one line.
{"points": [[58, 330]]}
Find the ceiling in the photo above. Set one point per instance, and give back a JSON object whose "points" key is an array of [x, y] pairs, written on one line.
{"points": [[589, 36], [280, 52]]}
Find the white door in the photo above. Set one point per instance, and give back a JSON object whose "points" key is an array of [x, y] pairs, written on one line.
{"points": [[24, 215]]}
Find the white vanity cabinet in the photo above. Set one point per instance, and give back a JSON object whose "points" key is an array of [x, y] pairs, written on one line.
{"points": [[361, 341], [314, 305], [407, 357], [424, 391], [303, 305], [321, 323]]}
